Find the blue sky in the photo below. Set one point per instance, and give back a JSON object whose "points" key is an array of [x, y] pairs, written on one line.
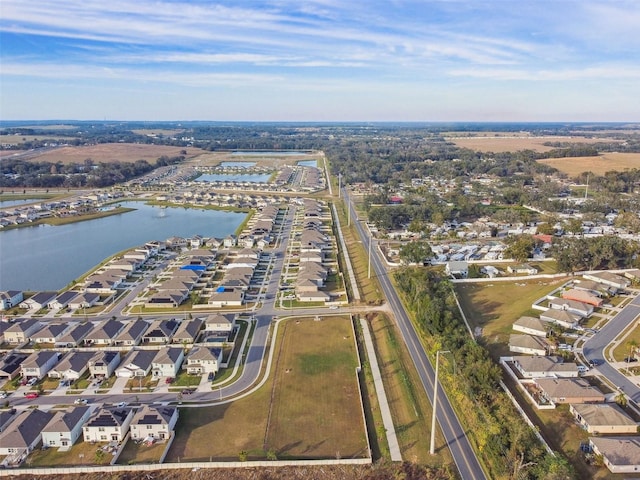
{"points": [[320, 60]]}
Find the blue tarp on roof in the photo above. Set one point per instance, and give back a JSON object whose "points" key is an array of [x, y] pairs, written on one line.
{"points": [[220, 289], [193, 267]]}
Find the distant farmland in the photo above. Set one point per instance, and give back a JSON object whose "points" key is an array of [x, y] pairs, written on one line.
{"points": [[599, 165], [113, 152], [490, 142]]}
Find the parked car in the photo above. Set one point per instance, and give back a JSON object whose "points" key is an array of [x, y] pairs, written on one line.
{"points": [[169, 380], [32, 395], [3, 394], [630, 359], [211, 376], [32, 381], [187, 391], [121, 404], [80, 401]]}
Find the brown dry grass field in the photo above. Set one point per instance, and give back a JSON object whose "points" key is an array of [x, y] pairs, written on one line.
{"points": [[315, 409], [599, 165], [19, 139], [491, 142], [379, 471], [112, 152]]}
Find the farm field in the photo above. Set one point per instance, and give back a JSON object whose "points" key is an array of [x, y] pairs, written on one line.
{"points": [[309, 408], [113, 152], [19, 139], [599, 165], [490, 142]]}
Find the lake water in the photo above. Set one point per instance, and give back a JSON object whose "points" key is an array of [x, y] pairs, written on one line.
{"points": [[308, 163], [269, 153], [237, 164], [234, 177], [48, 258], [13, 203]]}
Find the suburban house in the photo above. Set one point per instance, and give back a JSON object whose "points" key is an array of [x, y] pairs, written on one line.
{"points": [[75, 336], [21, 330], [318, 296], [132, 333], [167, 362], [203, 360], [104, 363], [545, 366], [38, 301], [562, 318], [583, 296], [104, 333], [84, 300], [50, 333], [188, 331], [23, 434], [108, 425], [38, 364], [6, 417], [105, 283], [597, 288], [522, 269], [136, 364], [65, 428], [603, 418], [577, 308], [160, 331], [457, 269], [531, 326], [62, 300], [611, 279], [228, 297], [528, 344], [72, 366], [155, 422], [569, 390], [10, 298], [167, 298], [11, 365], [619, 454]]}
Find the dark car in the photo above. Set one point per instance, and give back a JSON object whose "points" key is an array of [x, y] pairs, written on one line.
{"points": [[630, 359], [187, 391]]}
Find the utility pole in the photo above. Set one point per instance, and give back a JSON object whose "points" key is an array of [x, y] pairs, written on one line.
{"points": [[432, 448], [369, 274], [339, 185]]}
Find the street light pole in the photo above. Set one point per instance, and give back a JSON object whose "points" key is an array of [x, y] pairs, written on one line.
{"points": [[432, 447]]}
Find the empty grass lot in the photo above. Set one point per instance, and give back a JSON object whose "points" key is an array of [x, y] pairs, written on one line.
{"points": [[311, 411], [494, 307], [316, 410]]}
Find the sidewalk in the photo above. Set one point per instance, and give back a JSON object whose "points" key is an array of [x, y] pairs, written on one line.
{"points": [[392, 440]]}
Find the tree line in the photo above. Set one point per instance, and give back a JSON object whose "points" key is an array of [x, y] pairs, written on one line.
{"points": [[509, 447]]}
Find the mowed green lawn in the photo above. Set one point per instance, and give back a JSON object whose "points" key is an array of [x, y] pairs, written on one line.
{"points": [[316, 410], [309, 407]]}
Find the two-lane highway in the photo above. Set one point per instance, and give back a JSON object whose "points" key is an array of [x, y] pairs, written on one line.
{"points": [[466, 460]]}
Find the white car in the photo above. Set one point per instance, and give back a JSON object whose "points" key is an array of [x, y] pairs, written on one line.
{"points": [[80, 401], [121, 404]]}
